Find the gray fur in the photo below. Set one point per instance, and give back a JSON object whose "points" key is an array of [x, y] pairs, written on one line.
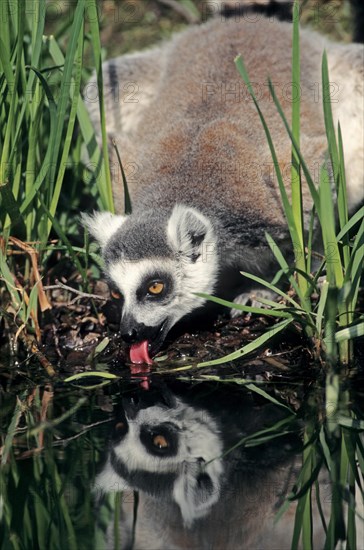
{"points": [[190, 137], [137, 238], [212, 493]]}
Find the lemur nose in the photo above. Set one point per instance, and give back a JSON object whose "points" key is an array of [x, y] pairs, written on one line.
{"points": [[130, 336]]}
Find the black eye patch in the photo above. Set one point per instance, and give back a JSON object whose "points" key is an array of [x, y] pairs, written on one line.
{"points": [[160, 440], [155, 287], [115, 293]]}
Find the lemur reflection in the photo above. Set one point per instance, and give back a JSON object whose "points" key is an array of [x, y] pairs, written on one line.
{"points": [[203, 479]]}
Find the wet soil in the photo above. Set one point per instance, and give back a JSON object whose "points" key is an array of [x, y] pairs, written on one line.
{"points": [[81, 335], [79, 332]]}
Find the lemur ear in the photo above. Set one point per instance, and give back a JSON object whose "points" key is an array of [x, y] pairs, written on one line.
{"points": [[195, 491], [187, 230], [102, 225]]}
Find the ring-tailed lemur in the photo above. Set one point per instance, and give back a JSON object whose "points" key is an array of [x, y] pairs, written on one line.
{"points": [[199, 485], [200, 173]]}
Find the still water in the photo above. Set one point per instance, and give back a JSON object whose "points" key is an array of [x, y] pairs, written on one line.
{"points": [[164, 465]]}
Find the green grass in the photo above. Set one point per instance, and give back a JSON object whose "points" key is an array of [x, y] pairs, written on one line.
{"points": [[331, 324], [47, 499], [334, 313], [41, 162], [45, 179], [40, 150]]}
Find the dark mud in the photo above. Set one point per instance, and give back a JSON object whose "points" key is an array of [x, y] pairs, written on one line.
{"points": [[79, 331]]}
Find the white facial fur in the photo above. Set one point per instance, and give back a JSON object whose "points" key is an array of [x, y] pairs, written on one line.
{"points": [[128, 276], [198, 438], [187, 279], [189, 276], [102, 225]]}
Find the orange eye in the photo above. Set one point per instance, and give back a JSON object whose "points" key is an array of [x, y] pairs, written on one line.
{"points": [[160, 442], [115, 294], [156, 288]]}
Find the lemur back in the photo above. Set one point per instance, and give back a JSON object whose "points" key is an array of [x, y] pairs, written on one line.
{"points": [[185, 124], [199, 169]]}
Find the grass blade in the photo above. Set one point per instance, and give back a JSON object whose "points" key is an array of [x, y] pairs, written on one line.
{"points": [[329, 124], [127, 200], [55, 142], [249, 348], [247, 309], [271, 287], [286, 204], [70, 127], [348, 333], [92, 10], [303, 164], [327, 219]]}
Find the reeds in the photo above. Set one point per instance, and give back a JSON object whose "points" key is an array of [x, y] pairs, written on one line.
{"points": [[330, 323], [40, 150], [332, 440]]}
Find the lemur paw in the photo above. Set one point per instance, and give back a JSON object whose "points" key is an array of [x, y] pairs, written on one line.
{"points": [[251, 298]]}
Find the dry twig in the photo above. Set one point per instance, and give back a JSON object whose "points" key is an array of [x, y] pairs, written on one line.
{"points": [[80, 293]]}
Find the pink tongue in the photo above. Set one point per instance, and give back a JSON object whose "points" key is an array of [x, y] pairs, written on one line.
{"points": [[139, 353]]}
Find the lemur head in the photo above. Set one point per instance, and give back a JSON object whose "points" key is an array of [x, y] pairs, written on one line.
{"points": [[169, 451], [157, 261]]}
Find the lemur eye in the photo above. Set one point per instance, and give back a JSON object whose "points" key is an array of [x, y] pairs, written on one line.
{"points": [[156, 288], [115, 294], [160, 442]]}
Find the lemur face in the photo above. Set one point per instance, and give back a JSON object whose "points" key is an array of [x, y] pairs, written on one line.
{"points": [[170, 451], [155, 264]]}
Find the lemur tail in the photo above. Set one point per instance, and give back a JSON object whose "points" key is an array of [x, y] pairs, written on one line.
{"points": [[282, 10]]}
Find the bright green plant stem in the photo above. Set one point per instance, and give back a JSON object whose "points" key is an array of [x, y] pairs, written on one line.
{"points": [[296, 183], [92, 10]]}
